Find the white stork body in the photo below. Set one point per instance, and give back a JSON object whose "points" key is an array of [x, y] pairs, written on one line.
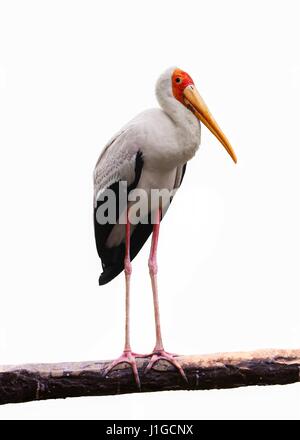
{"points": [[149, 153], [166, 137], [160, 140]]}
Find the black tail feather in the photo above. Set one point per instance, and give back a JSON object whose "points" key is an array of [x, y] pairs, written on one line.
{"points": [[114, 257]]}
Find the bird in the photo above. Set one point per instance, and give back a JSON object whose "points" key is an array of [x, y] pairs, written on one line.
{"points": [[148, 155]]}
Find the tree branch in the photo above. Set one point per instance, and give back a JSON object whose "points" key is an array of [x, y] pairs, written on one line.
{"points": [[23, 383]]}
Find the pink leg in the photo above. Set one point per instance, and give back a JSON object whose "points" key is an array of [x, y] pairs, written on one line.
{"points": [[128, 271], [127, 356], [158, 352], [152, 263]]}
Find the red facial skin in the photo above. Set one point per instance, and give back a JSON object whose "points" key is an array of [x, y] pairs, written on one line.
{"points": [[178, 87]]}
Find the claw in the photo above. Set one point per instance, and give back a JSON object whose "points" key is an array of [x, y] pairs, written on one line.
{"points": [[127, 357], [163, 355]]}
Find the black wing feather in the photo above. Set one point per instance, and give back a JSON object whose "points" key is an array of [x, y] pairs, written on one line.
{"points": [[113, 258]]}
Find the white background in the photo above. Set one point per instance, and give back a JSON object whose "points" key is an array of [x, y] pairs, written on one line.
{"points": [[71, 74]]}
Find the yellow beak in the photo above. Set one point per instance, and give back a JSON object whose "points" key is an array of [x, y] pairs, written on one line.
{"points": [[196, 104]]}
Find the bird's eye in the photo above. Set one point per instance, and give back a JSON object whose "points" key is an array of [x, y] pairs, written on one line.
{"points": [[178, 80]]}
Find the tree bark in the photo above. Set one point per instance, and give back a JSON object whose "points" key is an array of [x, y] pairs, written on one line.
{"points": [[23, 383]]}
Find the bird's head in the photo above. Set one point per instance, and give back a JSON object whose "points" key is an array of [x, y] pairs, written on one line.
{"points": [[180, 86]]}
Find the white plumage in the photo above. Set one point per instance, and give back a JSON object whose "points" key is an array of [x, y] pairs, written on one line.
{"points": [[149, 153], [167, 137]]}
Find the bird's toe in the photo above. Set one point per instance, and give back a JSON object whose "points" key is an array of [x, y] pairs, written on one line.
{"points": [[163, 355], [127, 357]]}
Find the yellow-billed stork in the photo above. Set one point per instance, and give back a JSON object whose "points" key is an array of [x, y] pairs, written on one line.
{"points": [[149, 153]]}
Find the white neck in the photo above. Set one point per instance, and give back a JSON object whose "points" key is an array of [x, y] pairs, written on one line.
{"points": [[177, 111], [187, 125], [181, 115]]}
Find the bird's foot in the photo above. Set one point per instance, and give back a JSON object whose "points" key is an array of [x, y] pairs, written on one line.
{"points": [[158, 355], [127, 357]]}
